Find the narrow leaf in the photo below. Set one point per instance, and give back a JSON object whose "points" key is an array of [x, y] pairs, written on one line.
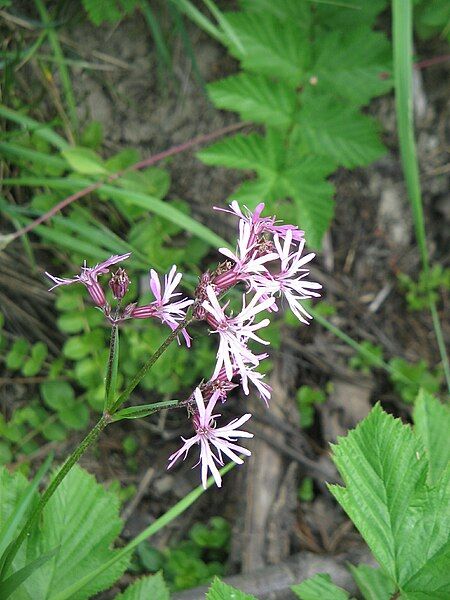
{"points": [[42, 130], [9, 585], [143, 410], [152, 204]]}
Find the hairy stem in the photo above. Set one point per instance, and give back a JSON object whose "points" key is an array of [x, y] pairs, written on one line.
{"points": [[73, 458], [149, 364]]}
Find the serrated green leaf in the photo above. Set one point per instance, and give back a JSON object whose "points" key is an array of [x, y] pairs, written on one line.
{"points": [[341, 69], [283, 173], [238, 152], [256, 98], [23, 495], [312, 194], [266, 51], [432, 424], [82, 519], [319, 587], [152, 587], [222, 591], [337, 131], [84, 161], [372, 582], [93, 575], [285, 10], [347, 14], [405, 523]]}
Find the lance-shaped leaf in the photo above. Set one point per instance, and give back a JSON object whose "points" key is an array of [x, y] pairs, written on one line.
{"points": [[146, 588], [142, 410], [405, 522], [82, 519]]}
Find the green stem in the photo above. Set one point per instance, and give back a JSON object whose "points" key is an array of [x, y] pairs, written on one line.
{"points": [[402, 15], [112, 361], [149, 364], [358, 347], [73, 458]]}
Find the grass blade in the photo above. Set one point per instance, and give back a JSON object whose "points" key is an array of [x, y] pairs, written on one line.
{"points": [[10, 585], [402, 14], [41, 130], [59, 58], [150, 203]]}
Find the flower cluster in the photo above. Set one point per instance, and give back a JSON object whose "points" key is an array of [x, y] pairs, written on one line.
{"points": [[164, 308], [270, 265]]}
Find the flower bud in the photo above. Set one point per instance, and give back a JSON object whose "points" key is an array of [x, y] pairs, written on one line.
{"points": [[96, 293], [119, 283]]}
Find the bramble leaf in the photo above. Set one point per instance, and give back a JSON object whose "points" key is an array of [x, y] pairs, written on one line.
{"points": [[266, 51], [283, 173], [405, 522], [343, 70], [82, 519], [319, 587], [432, 423], [337, 131], [221, 591], [256, 98], [372, 582], [146, 588]]}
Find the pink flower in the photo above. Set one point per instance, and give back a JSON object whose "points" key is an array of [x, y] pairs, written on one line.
{"points": [[256, 379], [168, 312], [234, 333], [213, 441], [88, 277], [248, 260], [291, 279], [260, 225]]}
